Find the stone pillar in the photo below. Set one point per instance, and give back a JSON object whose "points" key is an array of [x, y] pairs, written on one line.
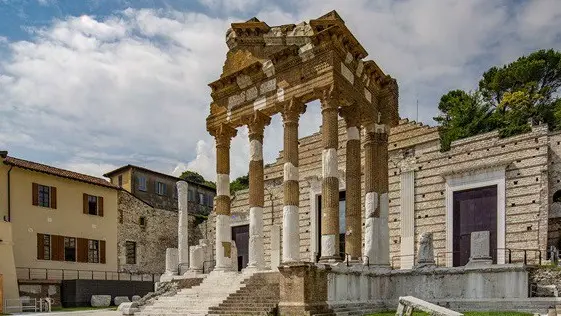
{"points": [[480, 249], [407, 189], [353, 219], [183, 224], [303, 289], [223, 137], [371, 211], [330, 183], [171, 261], [256, 125], [425, 256], [291, 220], [383, 256]]}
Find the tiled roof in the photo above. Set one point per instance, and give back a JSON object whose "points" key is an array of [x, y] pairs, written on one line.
{"points": [[16, 162]]}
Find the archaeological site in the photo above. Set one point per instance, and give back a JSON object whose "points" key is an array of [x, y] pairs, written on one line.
{"points": [[366, 215]]}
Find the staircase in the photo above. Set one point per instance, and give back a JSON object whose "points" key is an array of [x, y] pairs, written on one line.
{"points": [[258, 295], [197, 301]]}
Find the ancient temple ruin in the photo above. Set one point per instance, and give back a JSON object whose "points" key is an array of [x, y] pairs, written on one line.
{"points": [[277, 70]]}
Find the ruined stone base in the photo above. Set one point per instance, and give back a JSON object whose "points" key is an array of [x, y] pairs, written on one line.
{"points": [[303, 309]]}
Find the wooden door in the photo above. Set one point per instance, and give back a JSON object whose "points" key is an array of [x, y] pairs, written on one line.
{"points": [[240, 234]]}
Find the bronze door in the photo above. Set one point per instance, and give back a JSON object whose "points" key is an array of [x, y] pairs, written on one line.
{"points": [[474, 210]]}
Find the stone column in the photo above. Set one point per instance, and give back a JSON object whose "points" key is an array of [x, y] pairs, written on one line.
{"points": [[407, 214], [182, 225], [353, 219], [291, 220], [371, 196], [330, 183], [223, 137], [171, 261], [382, 257], [256, 125]]}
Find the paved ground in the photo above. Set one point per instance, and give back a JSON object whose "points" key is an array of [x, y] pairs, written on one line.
{"points": [[82, 313]]}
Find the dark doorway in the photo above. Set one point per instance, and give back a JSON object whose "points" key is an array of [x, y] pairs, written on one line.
{"points": [[342, 225], [474, 210], [240, 234]]}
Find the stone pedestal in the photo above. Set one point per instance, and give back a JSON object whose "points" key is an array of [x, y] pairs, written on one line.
{"points": [[303, 289], [425, 255], [480, 253], [196, 259], [171, 261]]}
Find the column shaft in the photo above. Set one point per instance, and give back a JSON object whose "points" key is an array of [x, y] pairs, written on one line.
{"points": [[371, 198], [291, 188], [353, 219], [256, 125], [183, 224], [383, 254], [223, 231], [330, 184]]}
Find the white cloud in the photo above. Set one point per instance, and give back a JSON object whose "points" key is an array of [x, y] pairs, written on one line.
{"points": [[132, 88]]}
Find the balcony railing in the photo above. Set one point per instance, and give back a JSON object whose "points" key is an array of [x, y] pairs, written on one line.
{"points": [[42, 274]]}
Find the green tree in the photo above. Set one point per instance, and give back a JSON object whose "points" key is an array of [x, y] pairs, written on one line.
{"points": [[507, 98], [192, 176], [240, 183]]}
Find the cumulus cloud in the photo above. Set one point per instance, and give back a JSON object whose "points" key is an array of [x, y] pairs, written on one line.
{"points": [[132, 87]]}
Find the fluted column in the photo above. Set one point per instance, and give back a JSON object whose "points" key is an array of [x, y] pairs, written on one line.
{"points": [[182, 224], [291, 188], [223, 137], [330, 183], [256, 125], [353, 220]]}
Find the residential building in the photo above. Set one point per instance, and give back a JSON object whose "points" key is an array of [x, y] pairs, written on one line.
{"points": [[61, 220], [159, 190]]}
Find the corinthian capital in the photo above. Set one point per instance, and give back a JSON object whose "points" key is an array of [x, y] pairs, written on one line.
{"points": [[292, 110], [224, 134]]}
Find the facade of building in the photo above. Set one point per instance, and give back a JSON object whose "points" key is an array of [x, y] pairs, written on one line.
{"points": [[148, 217], [61, 220], [159, 190], [508, 186]]}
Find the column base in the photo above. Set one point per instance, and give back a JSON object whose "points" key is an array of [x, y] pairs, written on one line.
{"points": [[331, 259], [303, 289]]}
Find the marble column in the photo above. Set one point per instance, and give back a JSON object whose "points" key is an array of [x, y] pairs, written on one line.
{"points": [[256, 125], [353, 219], [371, 211], [223, 137], [183, 225], [382, 257], [171, 261], [330, 183], [407, 189], [291, 220]]}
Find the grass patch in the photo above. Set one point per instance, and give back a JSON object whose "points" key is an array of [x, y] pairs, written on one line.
{"points": [[80, 309], [466, 314]]}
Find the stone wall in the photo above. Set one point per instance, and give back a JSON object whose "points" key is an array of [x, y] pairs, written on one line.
{"points": [[152, 239], [554, 168], [415, 149]]}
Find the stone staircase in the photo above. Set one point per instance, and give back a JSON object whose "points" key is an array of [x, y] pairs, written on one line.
{"points": [[195, 301], [258, 295]]}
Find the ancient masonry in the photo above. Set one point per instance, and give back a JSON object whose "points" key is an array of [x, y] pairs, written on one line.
{"points": [[272, 70]]}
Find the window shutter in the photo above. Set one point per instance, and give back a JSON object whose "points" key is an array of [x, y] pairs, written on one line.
{"points": [[82, 245], [85, 202], [40, 246], [102, 251], [57, 246], [53, 197], [35, 194], [100, 205]]}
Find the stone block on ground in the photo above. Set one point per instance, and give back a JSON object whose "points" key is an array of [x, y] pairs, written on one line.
{"points": [[130, 308], [136, 298], [546, 291], [100, 300], [118, 300], [123, 305]]}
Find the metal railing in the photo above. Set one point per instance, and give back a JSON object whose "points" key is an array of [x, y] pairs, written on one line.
{"points": [[399, 257], [27, 305], [438, 255], [25, 273]]}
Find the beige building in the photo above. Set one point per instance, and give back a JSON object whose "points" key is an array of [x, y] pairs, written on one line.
{"points": [[509, 186], [61, 220]]}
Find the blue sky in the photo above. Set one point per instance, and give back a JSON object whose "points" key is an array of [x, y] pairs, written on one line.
{"points": [[92, 85]]}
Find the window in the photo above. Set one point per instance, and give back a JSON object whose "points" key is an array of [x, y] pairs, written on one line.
{"points": [[131, 252], [160, 188], [191, 195], [210, 200], [557, 196], [202, 199], [120, 179], [92, 205], [141, 181], [43, 247], [93, 251], [69, 249], [44, 196], [142, 221], [175, 193]]}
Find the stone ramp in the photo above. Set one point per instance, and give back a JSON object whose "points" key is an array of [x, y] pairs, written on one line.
{"points": [[258, 295], [214, 289]]}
